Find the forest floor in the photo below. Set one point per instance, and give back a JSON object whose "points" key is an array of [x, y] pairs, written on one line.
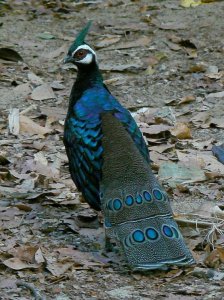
{"points": [[164, 62]]}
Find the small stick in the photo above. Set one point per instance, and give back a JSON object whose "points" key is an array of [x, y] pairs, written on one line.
{"points": [[193, 223], [32, 289], [21, 221], [31, 107], [215, 218], [111, 80]]}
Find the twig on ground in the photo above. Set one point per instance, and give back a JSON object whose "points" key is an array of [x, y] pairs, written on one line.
{"points": [[211, 235], [28, 109], [185, 222]]}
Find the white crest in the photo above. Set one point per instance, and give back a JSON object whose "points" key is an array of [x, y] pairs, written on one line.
{"points": [[89, 57]]}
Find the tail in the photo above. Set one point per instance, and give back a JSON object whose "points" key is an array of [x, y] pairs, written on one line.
{"points": [[136, 209]]}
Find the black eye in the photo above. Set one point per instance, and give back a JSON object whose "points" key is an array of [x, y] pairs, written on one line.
{"points": [[80, 54]]}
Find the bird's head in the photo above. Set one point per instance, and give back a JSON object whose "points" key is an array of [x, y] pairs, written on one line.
{"points": [[80, 53]]}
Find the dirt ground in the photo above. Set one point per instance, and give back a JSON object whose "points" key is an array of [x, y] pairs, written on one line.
{"points": [[163, 61]]}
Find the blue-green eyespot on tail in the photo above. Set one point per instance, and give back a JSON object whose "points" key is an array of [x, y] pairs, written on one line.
{"points": [[109, 163]]}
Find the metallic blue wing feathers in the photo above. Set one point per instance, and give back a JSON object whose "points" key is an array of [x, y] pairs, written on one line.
{"points": [[83, 136]]}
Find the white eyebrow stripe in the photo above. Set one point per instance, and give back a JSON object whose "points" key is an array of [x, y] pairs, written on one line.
{"points": [[84, 47]]}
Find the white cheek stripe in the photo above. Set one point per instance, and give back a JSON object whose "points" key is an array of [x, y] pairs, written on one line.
{"points": [[87, 59]]}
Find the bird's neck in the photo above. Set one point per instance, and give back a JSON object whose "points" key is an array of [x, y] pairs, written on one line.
{"points": [[88, 77]]}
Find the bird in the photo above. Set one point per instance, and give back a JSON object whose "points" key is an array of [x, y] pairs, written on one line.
{"points": [[109, 163]]}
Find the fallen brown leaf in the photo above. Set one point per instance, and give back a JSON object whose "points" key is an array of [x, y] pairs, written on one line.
{"points": [[16, 264], [39, 257], [142, 41], [13, 118], [58, 268], [181, 131], [156, 129], [205, 161], [29, 126], [186, 99], [107, 41], [42, 92], [36, 80], [10, 54]]}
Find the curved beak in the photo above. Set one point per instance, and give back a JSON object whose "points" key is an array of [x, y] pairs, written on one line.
{"points": [[68, 59]]}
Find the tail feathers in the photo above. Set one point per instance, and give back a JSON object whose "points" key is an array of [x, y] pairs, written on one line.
{"points": [[152, 243], [136, 209]]}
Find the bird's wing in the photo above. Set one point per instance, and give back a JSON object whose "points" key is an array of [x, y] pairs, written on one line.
{"points": [[83, 146], [83, 140]]}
